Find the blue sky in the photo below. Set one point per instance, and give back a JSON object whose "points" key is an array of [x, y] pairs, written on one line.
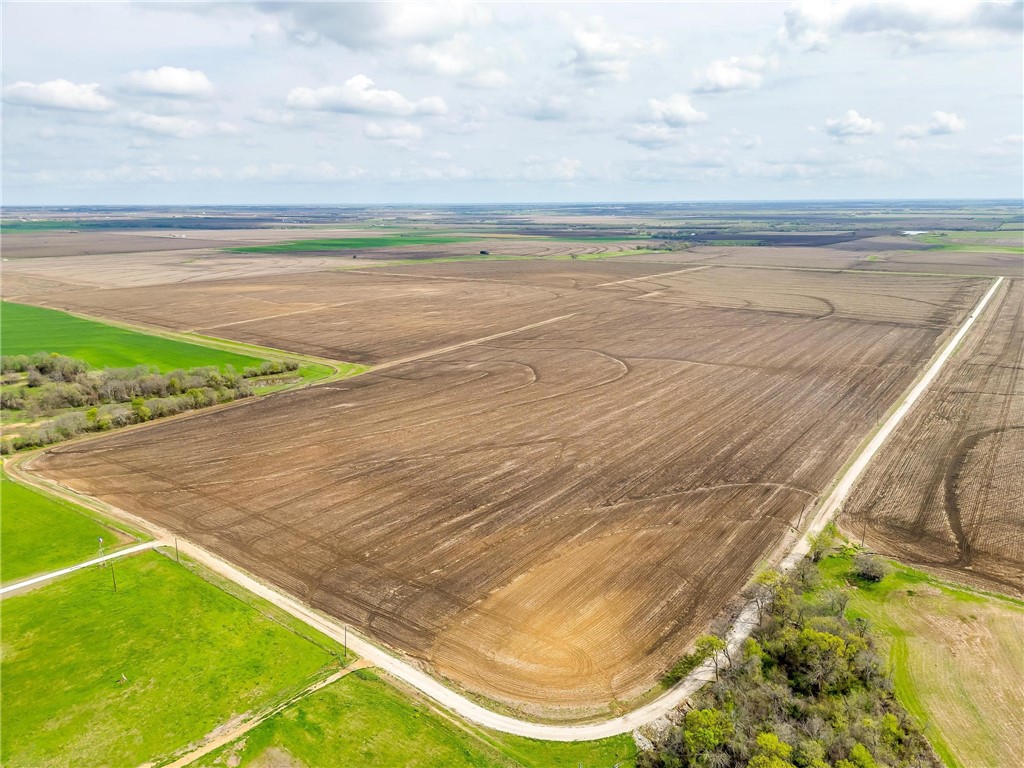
{"points": [[240, 102]]}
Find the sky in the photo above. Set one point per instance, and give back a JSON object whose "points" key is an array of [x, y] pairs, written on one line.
{"points": [[348, 103]]}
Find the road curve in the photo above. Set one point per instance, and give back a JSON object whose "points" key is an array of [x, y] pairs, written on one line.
{"points": [[452, 700]]}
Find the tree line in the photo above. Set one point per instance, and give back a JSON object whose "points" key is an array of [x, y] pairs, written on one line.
{"points": [[87, 400]]}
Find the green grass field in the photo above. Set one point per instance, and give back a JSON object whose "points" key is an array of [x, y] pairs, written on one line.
{"points": [[26, 329], [972, 241], [351, 243], [944, 643], [42, 225], [40, 534], [194, 657], [362, 721]]}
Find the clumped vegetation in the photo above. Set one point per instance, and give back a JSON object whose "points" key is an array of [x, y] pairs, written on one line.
{"points": [[44, 384], [808, 690]]}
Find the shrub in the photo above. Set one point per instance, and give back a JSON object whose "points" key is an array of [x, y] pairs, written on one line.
{"points": [[14, 363], [870, 567], [10, 401]]}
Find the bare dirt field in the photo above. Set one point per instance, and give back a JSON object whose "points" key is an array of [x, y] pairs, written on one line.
{"points": [[947, 491], [360, 315], [129, 270], [382, 314], [547, 518], [950, 262], [884, 255]]}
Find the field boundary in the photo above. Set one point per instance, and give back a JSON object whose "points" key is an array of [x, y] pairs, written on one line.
{"points": [[429, 686], [72, 568], [230, 735], [225, 345]]}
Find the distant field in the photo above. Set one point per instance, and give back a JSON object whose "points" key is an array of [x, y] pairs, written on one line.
{"points": [[362, 721], [351, 243], [43, 225], [957, 659], [193, 657], [26, 329], [985, 241], [40, 534]]}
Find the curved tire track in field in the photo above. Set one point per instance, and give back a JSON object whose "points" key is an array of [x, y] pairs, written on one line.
{"points": [[475, 713], [949, 482]]}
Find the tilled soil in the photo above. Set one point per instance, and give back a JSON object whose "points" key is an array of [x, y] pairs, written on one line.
{"points": [[947, 492], [550, 517]]}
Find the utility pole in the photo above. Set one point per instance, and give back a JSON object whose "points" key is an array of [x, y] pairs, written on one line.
{"points": [[176, 556], [345, 644], [112, 576]]}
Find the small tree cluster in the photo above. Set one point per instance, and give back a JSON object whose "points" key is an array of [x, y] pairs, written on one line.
{"points": [[112, 397], [271, 368], [808, 690]]}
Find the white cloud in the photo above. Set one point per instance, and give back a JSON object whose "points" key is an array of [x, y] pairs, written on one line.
{"points": [[664, 122], [651, 136], [737, 138], [59, 94], [396, 133], [1005, 146], [489, 78], [543, 108], [598, 53], [317, 172], [366, 26], [278, 117], [812, 24], [939, 124], [359, 96], [169, 81], [676, 111], [852, 127], [460, 57], [733, 74], [165, 125], [227, 129], [562, 169], [450, 172]]}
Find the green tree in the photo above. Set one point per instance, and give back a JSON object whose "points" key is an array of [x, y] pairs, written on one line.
{"points": [[772, 752], [711, 647], [704, 731]]}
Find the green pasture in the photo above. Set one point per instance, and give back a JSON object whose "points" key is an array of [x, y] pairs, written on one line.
{"points": [[942, 642], [38, 533], [94, 676], [25, 330], [352, 243], [361, 720]]}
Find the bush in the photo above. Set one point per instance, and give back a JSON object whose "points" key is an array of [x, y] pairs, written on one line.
{"points": [[870, 567], [270, 368], [14, 363], [10, 401]]}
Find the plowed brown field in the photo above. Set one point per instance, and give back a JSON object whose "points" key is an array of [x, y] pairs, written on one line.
{"points": [[869, 254], [947, 491], [548, 517]]}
